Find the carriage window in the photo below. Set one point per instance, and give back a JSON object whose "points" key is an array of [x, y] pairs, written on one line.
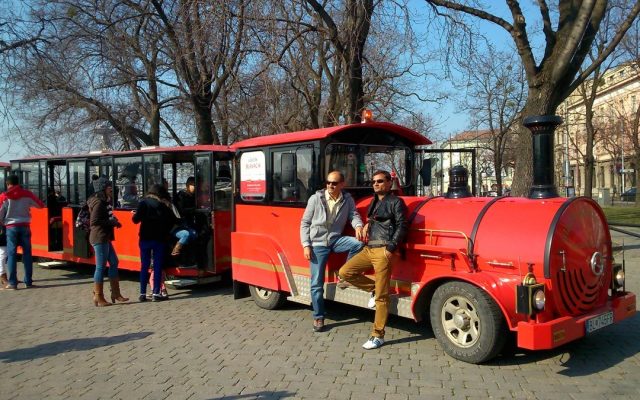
{"points": [[128, 181], [77, 182], [152, 170], [203, 182], [359, 162], [223, 190], [30, 177], [253, 176], [292, 180], [59, 184]]}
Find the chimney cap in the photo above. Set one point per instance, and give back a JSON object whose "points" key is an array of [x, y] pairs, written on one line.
{"points": [[533, 120]]}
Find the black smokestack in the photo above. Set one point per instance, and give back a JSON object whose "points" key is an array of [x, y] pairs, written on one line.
{"points": [[458, 183], [542, 128]]}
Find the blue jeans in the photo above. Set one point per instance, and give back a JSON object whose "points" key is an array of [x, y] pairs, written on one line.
{"points": [[318, 265], [19, 236], [148, 249], [184, 235], [105, 253]]}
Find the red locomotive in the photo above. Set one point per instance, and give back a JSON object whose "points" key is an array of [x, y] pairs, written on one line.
{"points": [[541, 267]]}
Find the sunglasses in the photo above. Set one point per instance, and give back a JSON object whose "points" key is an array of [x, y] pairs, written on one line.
{"points": [[379, 180], [332, 183]]}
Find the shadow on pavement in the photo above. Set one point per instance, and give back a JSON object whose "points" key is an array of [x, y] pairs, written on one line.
{"points": [[583, 357], [65, 346]]}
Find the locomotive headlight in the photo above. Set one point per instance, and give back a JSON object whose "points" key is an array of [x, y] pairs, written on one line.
{"points": [[539, 299], [530, 296], [618, 278]]}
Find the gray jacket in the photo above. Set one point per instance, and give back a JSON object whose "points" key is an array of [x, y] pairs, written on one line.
{"points": [[15, 206], [317, 230]]}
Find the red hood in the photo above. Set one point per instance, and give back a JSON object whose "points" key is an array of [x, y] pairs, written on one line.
{"points": [[16, 192]]}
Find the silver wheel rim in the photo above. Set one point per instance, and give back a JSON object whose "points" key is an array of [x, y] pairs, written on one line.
{"points": [[263, 293], [460, 321]]}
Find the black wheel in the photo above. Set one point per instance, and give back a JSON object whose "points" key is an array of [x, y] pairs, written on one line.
{"points": [[467, 322], [267, 299]]}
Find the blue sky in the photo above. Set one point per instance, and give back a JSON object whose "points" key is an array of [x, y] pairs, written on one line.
{"points": [[449, 120]]}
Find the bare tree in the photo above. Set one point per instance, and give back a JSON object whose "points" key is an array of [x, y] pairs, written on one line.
{"points": [[557, 74], [205, 41], [496, 92]]}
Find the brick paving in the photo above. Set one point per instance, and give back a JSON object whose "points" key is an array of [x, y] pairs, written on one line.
{"points": [[202, 344]]}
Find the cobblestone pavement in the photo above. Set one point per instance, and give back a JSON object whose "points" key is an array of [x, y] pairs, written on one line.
{"points": [[204, 345]]}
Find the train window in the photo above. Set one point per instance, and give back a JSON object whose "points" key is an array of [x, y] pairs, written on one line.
{"points": [[203, 181], [253, 176], [30, 178], [292, 180], [59, 184], [152, 170], [128, 182], [223, 189], [359, 162], [77, 182]]}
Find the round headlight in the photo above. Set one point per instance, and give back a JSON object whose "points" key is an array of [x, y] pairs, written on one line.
{"points": [[539, 299], [620, 277]]}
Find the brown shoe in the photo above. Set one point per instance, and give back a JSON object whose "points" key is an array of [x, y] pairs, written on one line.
{"points": [[3, 280], [318, 325], [176, 250]]}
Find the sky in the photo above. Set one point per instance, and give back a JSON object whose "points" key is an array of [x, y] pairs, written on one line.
{"points": [[448, 119]]}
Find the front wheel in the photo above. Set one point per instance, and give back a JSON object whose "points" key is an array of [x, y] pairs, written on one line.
{"points": [[467, 322], [265, 298]]}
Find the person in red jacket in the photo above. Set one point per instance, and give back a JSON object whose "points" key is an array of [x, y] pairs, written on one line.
{"points": [[15, 215]]}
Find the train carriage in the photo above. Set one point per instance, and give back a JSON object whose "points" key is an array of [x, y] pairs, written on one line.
{"points": [[477, 268], [65, 182]]}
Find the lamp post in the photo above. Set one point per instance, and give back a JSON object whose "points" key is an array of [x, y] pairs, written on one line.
{"points": [[620, 132], [568, 182]]}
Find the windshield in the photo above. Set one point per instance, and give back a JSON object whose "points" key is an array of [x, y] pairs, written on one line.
{"points": [[359, 162]]}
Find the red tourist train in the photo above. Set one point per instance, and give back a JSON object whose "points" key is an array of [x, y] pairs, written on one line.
{"points": [[477, 268], [65, 182]]}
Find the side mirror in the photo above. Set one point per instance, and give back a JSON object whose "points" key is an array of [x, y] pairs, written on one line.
{"points": [[288, 169], [425, 172]]}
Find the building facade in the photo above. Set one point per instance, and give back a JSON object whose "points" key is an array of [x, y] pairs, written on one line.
{"points": [[614, 107]]}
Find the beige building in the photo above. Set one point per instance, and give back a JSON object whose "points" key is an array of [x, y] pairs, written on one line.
{"points": [[615, 104]]}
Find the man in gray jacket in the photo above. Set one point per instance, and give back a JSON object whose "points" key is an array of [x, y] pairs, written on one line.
{"points": [[15, 215], [324, 219]]}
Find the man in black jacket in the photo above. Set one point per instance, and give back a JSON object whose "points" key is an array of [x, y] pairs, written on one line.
{"points": [[385, 230]]}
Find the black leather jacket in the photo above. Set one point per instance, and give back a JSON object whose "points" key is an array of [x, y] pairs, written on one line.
{"points": [[387, 222]]}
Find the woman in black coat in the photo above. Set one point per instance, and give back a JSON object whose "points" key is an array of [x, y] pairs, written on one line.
{"points": [[156, 221]]}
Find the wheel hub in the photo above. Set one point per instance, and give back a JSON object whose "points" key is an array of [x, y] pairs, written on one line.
{"points": [[461, 320]]}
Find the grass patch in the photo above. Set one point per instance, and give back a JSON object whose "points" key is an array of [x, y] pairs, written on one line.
{"points": [[622, 215]]}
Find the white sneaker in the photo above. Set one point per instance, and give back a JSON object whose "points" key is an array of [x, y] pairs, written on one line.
{"points": [[372, 300], [373, 343]]}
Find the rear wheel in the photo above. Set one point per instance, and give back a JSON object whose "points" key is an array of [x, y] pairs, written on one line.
{"points": [[467, 322], [267, 299]]}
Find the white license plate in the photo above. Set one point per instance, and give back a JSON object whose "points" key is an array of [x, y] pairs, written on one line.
{"points": [[602, 320]]}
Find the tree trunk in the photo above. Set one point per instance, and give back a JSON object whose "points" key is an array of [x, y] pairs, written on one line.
{"points": [[497, 167], [204, 124]]}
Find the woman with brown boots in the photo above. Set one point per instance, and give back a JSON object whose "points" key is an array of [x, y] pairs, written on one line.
{"points": [[101, 234]]}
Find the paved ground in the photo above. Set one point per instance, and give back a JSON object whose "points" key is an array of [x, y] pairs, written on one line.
{"points": [[204, 345]]}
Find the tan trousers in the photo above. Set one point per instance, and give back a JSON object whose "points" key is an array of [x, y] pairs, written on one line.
{"points": [[353, 272]]}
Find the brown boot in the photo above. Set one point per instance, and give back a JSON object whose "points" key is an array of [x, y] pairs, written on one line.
{"points": [[176, 249], [3, 280], [98, 295], [115, 291]]}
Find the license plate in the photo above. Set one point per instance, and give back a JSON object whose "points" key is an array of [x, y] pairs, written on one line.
{"points": [[602, 320]]}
